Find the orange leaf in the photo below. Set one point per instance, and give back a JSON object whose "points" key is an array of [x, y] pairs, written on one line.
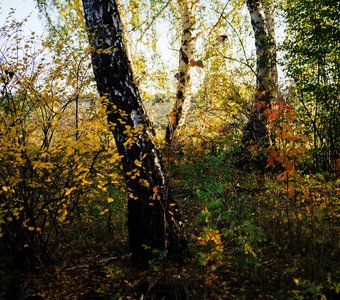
{"points": [[192, 62]]}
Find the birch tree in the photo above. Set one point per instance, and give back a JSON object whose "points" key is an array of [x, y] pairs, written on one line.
{"points": [[153, 217], [186, 60], [261, 14]]}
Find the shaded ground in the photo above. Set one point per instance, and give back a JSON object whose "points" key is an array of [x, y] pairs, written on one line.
{"points": [[241, 246]]}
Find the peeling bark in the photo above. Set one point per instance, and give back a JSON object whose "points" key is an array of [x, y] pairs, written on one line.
{"points": [[153, 217], [182, 102]]}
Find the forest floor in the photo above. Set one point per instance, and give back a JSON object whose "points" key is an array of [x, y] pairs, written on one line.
{"points": [[250, 238]]}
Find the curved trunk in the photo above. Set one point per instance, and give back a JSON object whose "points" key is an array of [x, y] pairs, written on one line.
{"points": [[182, 102], [153, 218]]}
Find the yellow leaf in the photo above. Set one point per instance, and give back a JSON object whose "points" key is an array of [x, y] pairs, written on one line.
{"points": [[26, 246], [144, 182], [69, 151], [69, 191], [5, 188], [138, 163], [9, 219], [109, 200], [62, 215], [30, 228], [103, 212]]}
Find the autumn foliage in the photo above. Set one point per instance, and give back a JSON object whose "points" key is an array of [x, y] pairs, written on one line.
{"points": [[260, 219], [55, 148]]}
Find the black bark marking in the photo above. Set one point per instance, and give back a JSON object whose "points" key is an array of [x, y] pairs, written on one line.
{"points": [[153, 224]]}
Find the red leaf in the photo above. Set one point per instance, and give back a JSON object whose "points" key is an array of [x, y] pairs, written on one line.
{"points": [[260, 104], [272, 116], [289, 166]]}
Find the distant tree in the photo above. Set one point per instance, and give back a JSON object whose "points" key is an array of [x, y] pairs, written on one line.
{"points": [[153, 217]]}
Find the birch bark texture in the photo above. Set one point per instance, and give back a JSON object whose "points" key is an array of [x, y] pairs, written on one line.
{"points": [[153, 217], [262, 20], [186, 58]]}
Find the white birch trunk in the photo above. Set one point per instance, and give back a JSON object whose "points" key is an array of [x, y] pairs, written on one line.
{"points": [[262, 20], [269, 13], [261, 14], [186, 53]]}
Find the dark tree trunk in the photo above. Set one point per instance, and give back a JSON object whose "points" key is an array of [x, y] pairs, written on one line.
{"points": [[153, 218]]}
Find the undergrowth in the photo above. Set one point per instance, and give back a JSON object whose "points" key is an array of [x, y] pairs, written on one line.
{"points": [[253, 234]]}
